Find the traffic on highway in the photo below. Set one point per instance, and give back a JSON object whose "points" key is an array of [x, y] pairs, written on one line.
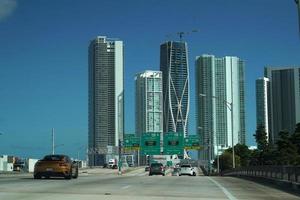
{"points": [[134, 183]]}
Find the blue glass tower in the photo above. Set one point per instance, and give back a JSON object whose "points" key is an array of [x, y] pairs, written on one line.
{"points": [[176, 94]]}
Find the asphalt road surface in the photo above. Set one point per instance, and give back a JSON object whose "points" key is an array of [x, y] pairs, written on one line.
{"points": [[107, 185]]}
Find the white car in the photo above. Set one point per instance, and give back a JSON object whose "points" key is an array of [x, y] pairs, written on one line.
{"points": [[187, 169]]}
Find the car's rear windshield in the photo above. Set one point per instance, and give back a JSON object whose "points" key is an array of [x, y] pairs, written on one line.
{"points": [[156, 164], [186, 166], [53, 158]]}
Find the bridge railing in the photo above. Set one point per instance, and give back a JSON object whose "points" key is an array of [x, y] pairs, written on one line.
{"points": [[283, 173]]}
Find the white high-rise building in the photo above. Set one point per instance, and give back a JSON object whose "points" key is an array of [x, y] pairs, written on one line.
{"points": [[220, 101], [148, 105], [106, 98], [148, 102]]}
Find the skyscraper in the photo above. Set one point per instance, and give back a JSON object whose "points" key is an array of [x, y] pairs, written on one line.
{"points": [[148, 102], [176, 94], [148, 105], [262, 104], [220, 101], [106, 98], [284, 99]]}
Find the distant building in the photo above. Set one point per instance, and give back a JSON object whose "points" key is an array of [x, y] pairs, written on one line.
{"points": [[220, 102], [148, 102], [176, 84], [284, 102], [262, 104], [106, 98]]}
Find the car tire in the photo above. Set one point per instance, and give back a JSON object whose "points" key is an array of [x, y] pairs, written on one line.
{"points": [[163, 174], [150, 174], [76, 174], [36, 177], [194, 174], [69, 176]]}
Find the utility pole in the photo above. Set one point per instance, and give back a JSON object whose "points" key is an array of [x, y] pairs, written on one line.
{"points": [[52, 141], [232, 132], [120, 157], [209, 155]]}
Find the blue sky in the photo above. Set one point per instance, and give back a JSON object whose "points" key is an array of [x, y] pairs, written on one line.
{"points": [[43, 57]]}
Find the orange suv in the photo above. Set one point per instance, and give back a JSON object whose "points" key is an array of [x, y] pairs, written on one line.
{"points": [[55, 166]]}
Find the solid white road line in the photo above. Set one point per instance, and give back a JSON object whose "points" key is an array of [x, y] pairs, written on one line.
{"points": [[125, 187], [226, 192]]}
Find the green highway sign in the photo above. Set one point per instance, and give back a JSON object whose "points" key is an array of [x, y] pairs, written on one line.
{"points": [[131, 142], [173, 143], [150, 143], [192, 142]]}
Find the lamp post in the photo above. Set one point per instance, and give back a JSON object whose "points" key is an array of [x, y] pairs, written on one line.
{"points": [[218, 160], [209, 146], [53, 145], [229, 106]]}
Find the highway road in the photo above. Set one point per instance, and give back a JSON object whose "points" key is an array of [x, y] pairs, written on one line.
{"points": [[107, 185]]}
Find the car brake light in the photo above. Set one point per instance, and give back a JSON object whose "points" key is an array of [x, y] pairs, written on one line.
{"points": [[63, 165]]}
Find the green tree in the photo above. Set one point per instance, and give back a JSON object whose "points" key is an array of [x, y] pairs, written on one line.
{"points": [[266, 152], [261, 138], [226, 161], [255, 157], [244, 153], [287, 150], [295, 138]]}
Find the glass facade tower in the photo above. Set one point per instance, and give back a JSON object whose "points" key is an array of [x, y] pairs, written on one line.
{"points": [[106, 98], [176, 94], [220, 103], [262, 104], [284, 101]]}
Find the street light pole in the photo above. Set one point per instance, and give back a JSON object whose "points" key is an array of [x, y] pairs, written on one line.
{"points": [[209, 155], [232, 135], [120, 157], [53, 141], [229, 105]]}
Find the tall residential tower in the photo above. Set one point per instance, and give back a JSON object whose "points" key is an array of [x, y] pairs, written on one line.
{"points": [[176, 94], [220, 101], [106, 98], [148, 105], [284, 100], [148, 102]]}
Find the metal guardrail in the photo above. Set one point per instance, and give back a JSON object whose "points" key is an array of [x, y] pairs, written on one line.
{"points": [[281, 173]]}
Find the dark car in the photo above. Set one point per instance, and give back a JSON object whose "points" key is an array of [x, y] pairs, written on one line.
{"points": [[56, 166], [157, 169]]}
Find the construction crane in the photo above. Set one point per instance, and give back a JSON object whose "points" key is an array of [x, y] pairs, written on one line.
{"points": [[181, 34], [298, 6]]}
